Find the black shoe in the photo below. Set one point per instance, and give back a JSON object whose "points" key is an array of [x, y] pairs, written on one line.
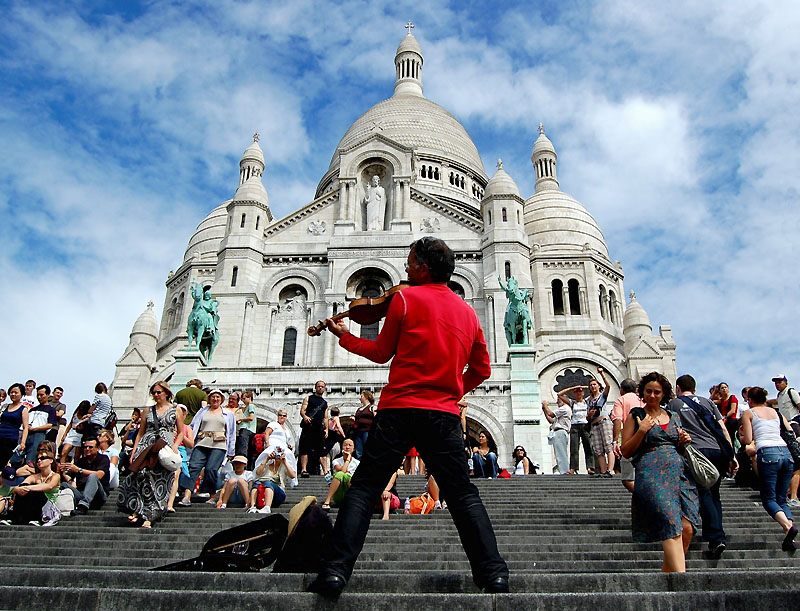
{"points": [[329, 586], [80, 510], [498, 585], [715, 550], [788, 542], [304, 474]]}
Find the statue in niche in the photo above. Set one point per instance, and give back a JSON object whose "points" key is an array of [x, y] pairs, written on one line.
{"points": [[518, 318], [203, 321], [296, 304], [375, 199]]}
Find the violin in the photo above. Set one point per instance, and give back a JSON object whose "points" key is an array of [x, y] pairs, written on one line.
{"points": [[365, 310]]}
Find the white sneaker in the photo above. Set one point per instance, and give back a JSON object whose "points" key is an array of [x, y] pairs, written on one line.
{"points": [[437, 505], [444, 504], [35, 523], [5, 522], [252, 509], [794, 503], [203, 495], [265, 509]]}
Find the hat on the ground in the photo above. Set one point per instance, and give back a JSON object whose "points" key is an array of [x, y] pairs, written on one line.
{"points": [[296, 512], [239, 458], [780, 377]]}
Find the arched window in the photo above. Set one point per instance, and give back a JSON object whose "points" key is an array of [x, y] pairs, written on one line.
{"points": [[558, 297], [456, 288], [452, 179], [462, 182], [234, 275], [517, 217], [258, 221], [289, 347], [436, 173], [179, 311], [489, 212], [505, 215], [244, 218], [603, 303], [613, 308], [370, 331], [508, 269], [574, 297]]}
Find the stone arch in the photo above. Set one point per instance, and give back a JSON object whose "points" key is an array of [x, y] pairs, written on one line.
{"points": [[345, 275], [269, 413], [481, 415], [315, 288], [571, 358], [354, 168], [466, 278]]}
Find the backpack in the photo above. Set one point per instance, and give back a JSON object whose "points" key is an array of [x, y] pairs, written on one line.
{"points": [[302, 552], [259, 443], [421, 504]]}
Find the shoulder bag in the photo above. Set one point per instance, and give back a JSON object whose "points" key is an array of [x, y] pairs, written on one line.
{"points": [[791, 440], [702, 470]]}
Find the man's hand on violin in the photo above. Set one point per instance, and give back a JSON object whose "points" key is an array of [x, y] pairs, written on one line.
{"points": [[337, 327]]}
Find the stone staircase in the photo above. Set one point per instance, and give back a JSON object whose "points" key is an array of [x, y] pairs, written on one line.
{"points": [[566, 540]]}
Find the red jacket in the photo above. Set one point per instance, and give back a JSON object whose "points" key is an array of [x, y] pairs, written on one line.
{"points": [[433, 336]]}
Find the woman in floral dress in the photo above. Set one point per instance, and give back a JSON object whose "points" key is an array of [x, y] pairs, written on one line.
{"points": [[145, 494], [665, 505]]}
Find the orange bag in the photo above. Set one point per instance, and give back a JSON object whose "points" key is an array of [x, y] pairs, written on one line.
{"points": [[421, 504]]}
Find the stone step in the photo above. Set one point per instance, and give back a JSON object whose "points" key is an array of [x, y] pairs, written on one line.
{"points": [[364, 581], [23, 597]]}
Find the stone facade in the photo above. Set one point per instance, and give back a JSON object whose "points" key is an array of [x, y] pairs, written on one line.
{"points": [[276, 277]]}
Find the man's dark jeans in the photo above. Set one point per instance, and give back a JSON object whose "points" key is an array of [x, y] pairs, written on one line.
{"points": [[710, 504], [437, 437]]}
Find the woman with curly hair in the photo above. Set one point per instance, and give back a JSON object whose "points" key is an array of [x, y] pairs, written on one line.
{"points": [[665, 505]]}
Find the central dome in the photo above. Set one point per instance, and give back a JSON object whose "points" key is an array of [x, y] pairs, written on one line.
{"points": [[415, 122]]}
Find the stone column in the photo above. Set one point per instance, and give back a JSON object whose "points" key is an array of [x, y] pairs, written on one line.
{"points": [[188, 362], [345, 223], [400, 220], [530, 425], [246, 339]]}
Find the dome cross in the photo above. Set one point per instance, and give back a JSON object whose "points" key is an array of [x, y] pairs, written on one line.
{"points": [[409, 26], [255, 137]]}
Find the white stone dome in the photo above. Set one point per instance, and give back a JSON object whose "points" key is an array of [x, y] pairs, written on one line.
{"points": [[636, 318], [415, 122], [409, 43], [209, 233], [146, 323], [557, 221], [253, 152], [501, 183], [542, 145], [252, 190]]}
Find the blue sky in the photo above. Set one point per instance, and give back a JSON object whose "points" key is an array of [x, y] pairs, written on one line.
{"points": [[122, 125]]}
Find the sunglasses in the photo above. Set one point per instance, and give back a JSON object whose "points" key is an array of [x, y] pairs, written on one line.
{"points": [[282, 415], [43, 457], [158, 392]]}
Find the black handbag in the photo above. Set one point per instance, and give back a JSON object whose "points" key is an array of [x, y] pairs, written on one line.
{"points": [[791, 440]]}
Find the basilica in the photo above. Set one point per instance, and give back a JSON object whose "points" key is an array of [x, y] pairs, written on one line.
{"points": [[404, 169]]}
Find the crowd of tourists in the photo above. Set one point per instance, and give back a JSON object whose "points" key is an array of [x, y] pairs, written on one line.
{"points": [[203, 445]]}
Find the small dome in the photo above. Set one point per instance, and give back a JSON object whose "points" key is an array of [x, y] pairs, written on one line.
{"points": [[501, 183], [252, 190], [209, 233], [558, 222], [409, 43], [543, 145], [636, 318], [253, 152], [146, 323]]}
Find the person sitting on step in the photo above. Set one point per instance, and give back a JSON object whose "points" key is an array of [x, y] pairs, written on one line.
{"points": [[88, 477], [389, 499], [484, 456], [31, 495], [343, 469], [236, 488], [274, 471]]}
